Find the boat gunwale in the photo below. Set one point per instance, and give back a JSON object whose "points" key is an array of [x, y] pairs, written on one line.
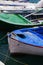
{"points": [[28, 24], [26, 44], [21, 24], [30, 31]]}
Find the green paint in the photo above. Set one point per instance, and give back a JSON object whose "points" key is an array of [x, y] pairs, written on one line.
{"points": [[14, 19], [9, 22]]}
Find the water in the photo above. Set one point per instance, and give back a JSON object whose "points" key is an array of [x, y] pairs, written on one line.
{"points": [[34, 1]]}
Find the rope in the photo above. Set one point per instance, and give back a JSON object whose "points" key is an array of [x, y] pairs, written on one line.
{"points": [[6, 56], [3, 37], [33, 12], [13, 59], [37, 19]]}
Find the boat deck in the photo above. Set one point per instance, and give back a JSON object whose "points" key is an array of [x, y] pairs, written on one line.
{"points": [[32, 17]]}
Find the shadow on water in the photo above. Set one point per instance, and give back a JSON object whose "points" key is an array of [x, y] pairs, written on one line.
{"points": [[29, 59]]}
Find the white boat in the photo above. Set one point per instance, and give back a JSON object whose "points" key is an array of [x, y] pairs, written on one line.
{"points": [[27, 40], [1, 63], [19, 7], [10, 5]]}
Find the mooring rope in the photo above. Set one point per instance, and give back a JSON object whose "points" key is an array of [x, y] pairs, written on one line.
{"points": [[3, 37], [33, 12], [37, 19], [8, 56], [13, 59]]}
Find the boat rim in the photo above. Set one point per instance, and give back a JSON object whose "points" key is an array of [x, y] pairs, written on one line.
{"points": [[27, 44], [21, 24]]}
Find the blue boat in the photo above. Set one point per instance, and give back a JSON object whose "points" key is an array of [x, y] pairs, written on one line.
{"points": [[27, 40]]}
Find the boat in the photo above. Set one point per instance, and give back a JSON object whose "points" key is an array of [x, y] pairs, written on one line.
{"points": [[17, 7], [16, 21], [26, 40], [33, 17], [11, 21], [8, 59]]}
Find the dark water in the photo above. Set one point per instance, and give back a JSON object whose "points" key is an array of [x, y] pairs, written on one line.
{"points": [[6, 57]]}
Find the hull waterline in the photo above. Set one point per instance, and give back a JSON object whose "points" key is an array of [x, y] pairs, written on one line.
{"points": [[18, 47]]}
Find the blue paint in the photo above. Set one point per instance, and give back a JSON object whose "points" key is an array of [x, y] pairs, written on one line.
{"points": [[32, 36]]}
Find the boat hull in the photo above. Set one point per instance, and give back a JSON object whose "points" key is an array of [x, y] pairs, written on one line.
{"points": [[9, 27], [9, 22], [18, 47]]}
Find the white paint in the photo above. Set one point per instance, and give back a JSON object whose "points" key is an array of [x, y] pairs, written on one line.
{"points": [[40, 4], [25, 5], [18, 47], [1, 63]]}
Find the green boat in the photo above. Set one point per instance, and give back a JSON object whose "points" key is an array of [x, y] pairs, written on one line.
{"points": [[9, 22]]}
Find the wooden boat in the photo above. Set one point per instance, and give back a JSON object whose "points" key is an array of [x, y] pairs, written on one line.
{"points": [[20, 60], [27, 40], [10, 5], [18, 7], [15, 21]]}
